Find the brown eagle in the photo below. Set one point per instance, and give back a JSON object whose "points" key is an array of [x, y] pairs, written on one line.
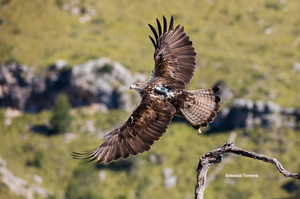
{"points": [[162, 98]]}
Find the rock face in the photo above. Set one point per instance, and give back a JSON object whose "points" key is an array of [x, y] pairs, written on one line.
{"points": [[248, 114], [20, 186], [103, 84], [98, 81], [170, 180]]}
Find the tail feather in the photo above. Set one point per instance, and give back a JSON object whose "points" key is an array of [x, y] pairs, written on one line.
{"points": [[208, 91], [207, 102], [200, 107]]}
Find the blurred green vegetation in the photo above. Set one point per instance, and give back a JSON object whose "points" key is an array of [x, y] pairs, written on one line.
{"points": [[138, 177], [251, 45], [61, 119], [6, 193]]}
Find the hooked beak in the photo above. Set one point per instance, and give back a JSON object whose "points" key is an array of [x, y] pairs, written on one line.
{"points": [[132, 86]]}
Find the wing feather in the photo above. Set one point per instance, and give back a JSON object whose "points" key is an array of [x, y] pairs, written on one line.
{"points": [[165, 24], [159, 26], [145, 138], [174, 56], [153, 42], [147, 124], [154, 31], [171, 23]]}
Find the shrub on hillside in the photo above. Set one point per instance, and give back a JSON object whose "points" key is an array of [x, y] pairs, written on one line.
{"points": [[61, 119]]}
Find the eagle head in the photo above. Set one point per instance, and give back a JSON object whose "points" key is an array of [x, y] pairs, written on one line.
{"points": [[138, 86]]}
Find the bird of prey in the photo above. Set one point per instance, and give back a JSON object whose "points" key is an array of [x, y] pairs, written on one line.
{"points": [[161, 98]]}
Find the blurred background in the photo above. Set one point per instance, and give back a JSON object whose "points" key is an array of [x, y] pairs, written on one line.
{"points": [[66, 67]]}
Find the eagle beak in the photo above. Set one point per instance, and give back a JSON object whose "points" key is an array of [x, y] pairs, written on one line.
{"points": [[132, 86]]}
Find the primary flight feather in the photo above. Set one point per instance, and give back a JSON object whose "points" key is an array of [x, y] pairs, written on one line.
{"points": [[162, 98]]}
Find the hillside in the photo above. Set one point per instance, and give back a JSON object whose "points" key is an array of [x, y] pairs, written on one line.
{"points": [[252, 47], [142, 176]]}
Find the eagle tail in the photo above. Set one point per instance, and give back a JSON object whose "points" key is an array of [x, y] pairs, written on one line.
{"points": [[200, 107]]}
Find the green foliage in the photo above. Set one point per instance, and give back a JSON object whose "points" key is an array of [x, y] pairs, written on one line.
{"points": [[80, 185], [6, 193], [138, 177], [107, 68], [61, 118], [229, 36], [37, 160], [2, 117], [293, 187], [230, 39], [73, 191]]}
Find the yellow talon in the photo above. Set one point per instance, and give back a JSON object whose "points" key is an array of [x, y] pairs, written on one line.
{"points": [[199, 131]]}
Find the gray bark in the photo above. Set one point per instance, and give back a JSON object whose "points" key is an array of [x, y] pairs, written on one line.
{"points": [[215, 156]]}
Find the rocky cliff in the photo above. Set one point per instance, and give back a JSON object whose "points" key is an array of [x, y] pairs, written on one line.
{"points": [[104, 84], [101, 82], [248, 114]]}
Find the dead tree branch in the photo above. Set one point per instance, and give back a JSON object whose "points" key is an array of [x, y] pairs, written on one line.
{"points": [[215, 156]]}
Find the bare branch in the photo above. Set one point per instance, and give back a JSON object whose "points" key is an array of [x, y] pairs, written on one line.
{"points": [[215, 156]]}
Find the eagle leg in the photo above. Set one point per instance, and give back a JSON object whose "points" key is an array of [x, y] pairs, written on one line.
{"points": [[199, 131]]}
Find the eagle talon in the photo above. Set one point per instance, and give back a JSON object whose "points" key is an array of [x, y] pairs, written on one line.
{"points": [[199, 131]]}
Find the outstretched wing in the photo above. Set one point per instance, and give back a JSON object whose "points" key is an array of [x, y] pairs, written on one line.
{"points": [[147, 124], [174, 56]]}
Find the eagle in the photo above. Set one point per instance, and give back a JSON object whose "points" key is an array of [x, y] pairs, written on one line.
{"points": [[161, 98]]}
